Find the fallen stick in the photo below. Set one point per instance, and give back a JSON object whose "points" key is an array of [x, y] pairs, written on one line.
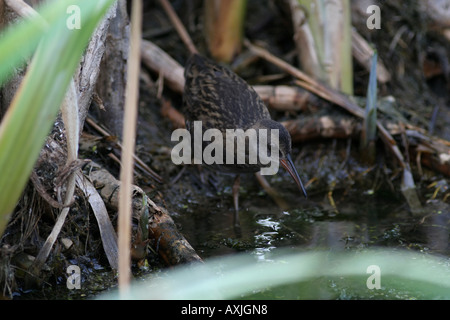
{"points": [[140, 164], [280, 98], [161, 63], [312, 127], [171, 113], [178, 26], [285, 98], [167, 241]]}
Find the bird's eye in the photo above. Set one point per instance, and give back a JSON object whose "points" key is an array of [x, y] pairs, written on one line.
{"points": [[274, 148]]}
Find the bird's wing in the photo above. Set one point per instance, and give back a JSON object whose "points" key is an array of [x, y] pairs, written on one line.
{"points": [[220, 98]]}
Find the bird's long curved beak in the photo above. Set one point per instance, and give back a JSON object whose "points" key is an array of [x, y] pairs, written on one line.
{"points": [[288, 164]]}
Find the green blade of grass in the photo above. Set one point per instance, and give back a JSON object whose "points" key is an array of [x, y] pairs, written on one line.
{"points": [[309, 275], [20, 39], [31, 115]]}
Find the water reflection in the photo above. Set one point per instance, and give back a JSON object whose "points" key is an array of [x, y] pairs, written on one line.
{"points": [[365, 222], [264, 241], [337, 234]]}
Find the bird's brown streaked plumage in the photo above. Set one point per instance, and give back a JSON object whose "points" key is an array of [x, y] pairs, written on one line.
{"points": [[222, 100], [219, 98]]}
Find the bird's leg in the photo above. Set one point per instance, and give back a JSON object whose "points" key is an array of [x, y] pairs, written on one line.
{"points": [[272, 192], [236, 185]]}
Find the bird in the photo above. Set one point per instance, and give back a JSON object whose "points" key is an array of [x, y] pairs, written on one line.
{"points": [[219, 99]]}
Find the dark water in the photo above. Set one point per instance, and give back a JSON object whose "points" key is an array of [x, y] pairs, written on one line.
{"points": [[363, 220]]}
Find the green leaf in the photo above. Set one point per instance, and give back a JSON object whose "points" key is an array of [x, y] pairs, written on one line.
{"points": [[307, 275], [30, 117]]}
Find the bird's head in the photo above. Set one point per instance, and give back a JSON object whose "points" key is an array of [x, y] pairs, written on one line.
{"points": [[282, 143]]}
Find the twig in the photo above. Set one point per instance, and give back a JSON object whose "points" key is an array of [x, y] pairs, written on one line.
{"points": [[144, 167], [178, 26], [25, 11], [285, 98], [272, 192], [39, 187], [315, 87], [158, 60], [175, 116], [129, 133], [313, 127]]}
